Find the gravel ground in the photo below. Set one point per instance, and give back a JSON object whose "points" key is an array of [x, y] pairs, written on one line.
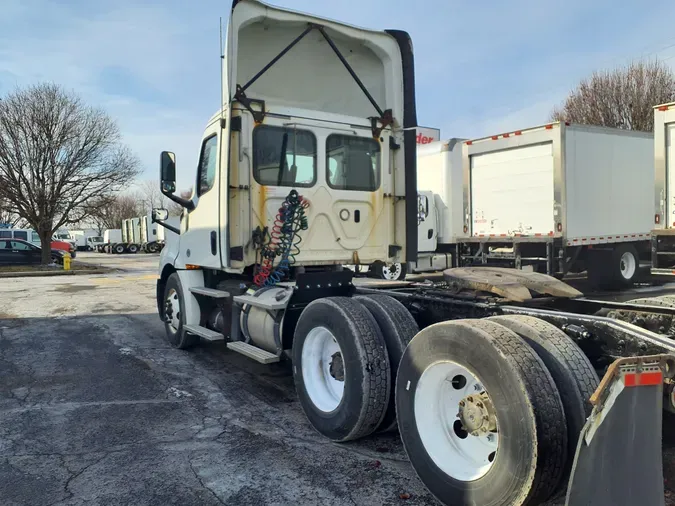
{"points": [[96, 408]]}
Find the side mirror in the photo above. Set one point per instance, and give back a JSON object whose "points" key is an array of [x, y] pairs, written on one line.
{"points": [[167, 172], [159, 214]]}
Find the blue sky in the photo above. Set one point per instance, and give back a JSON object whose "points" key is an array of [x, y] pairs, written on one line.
{"points": [[481, 67]]}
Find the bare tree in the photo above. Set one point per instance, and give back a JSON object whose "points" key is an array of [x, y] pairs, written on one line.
{"points": [[151, 195], [622, 98], [109, 211], [8, 215], [58, 155]]}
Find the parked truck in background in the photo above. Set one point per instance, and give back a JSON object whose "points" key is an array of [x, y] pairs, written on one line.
{"points": [[112, 239], [131, 236], [81, 238], [148, 235], [309, 165], [663, 233], [556, 198]]}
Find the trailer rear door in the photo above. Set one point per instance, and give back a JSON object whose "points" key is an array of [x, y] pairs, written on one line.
{"points": [[512, 191], [670, 175]]}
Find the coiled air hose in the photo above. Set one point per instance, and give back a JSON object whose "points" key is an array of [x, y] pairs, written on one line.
{"points": [[284, 241]]}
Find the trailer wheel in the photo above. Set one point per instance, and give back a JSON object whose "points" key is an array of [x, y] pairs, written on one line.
{"points": [[571, 370], [391, 272], [133, 248], [174, 318], [613, 269], [398, 328], [480, 416], [119, 249], [340, 368]]}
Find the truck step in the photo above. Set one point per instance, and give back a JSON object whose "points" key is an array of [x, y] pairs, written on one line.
{"points": [[261, 303], [204, 333], [210, 292], [262, 356]]}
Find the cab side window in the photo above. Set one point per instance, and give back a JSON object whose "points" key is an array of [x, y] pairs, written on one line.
{"points": [[208, 160], [284, 156], [352, 163]]}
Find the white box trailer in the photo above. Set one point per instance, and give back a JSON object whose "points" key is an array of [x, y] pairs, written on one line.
{"points": [[555, 198], [663, 233]]}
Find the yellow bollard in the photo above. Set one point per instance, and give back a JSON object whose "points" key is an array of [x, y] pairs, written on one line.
{"points": [[66, 262]]}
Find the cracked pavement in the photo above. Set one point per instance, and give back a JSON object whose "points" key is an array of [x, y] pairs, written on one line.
{"points": [[96, 408]]}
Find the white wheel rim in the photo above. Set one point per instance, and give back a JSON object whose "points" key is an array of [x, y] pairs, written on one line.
{"points": [[392, 271], [318, 350], [436, 417], [628, 265], [173, 301]]}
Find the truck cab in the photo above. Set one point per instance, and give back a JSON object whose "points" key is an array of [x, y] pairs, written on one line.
{"points": [[310, 106]]}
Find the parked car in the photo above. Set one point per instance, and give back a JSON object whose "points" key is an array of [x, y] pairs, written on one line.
{"points": [[18, 252], [65, 246]]}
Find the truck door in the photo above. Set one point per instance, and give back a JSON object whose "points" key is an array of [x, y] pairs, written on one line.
{"points": [[199, 244], [340, 173]]}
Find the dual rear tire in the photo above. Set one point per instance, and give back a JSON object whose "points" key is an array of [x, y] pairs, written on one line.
{"points": [[345, 357], [490, 411]]}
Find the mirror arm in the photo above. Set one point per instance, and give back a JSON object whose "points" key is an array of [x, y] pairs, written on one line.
{"points": [[186, 203], [167, 226]]}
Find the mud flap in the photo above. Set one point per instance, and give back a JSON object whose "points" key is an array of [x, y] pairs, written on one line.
{"points": [[618, 459]]}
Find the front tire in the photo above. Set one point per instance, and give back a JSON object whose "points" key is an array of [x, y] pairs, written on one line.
{"points": [[174, 315], [341, 368], [456, 375]]}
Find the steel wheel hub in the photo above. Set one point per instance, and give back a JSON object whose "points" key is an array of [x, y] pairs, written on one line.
{"points": [[628, 265], [172, 310], [392, 271], [323, 369], [456, 421]]}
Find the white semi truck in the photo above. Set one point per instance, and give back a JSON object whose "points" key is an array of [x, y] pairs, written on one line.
{"points": [[112, 237], [148, 235], [131, 236], [310, 164]]}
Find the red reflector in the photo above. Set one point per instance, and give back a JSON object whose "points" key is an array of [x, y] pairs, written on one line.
{"points": [[567, 123], [549, 127], [643, 379], [507, 135], [466, 230], [469, 142], [663, 108], [518, 132], [495, 137]]}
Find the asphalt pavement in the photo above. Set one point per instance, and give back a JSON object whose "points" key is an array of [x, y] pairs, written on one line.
{"points": [[97, 409]]}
